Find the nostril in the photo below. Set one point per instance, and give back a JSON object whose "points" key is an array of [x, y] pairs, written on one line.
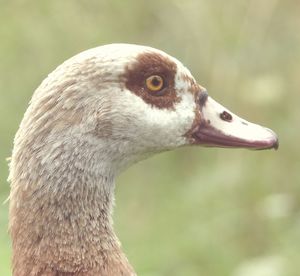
{"points": [[225, 116]]}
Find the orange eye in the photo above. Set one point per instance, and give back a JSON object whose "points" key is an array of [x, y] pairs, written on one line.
{"points": [[154, 83]]}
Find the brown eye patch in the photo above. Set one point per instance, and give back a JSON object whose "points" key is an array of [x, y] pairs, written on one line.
{"points": [[146, 73]]}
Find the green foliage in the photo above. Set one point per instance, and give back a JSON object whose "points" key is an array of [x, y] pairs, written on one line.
{"points": [[193, 211]]}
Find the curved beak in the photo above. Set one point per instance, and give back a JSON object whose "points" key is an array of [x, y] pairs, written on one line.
{"points": [[219, 127]]}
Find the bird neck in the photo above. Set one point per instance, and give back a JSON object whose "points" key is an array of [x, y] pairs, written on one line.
{"points": [[62, 223]]}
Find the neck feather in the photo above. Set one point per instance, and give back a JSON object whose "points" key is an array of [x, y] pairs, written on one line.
{"points": [[60, 222]]}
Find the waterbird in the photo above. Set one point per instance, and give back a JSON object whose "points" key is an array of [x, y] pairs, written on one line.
{"points": [[95, 115]]}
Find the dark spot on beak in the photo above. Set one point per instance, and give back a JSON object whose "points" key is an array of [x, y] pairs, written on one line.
{"points": [[225, 116]]}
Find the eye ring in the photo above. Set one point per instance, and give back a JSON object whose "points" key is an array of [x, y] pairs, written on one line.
{"points": [[155, 83]]}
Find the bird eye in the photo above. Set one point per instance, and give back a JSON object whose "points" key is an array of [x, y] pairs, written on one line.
{"points": [[154, 83]]}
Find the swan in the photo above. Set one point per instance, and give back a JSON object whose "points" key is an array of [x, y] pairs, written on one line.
{"points": [[92, 117]]}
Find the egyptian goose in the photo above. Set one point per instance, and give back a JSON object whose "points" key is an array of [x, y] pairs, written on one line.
{"points": [[96, 114]]}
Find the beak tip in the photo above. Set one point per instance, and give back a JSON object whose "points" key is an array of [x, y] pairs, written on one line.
{"points": [[271, 143], [276, 143]]}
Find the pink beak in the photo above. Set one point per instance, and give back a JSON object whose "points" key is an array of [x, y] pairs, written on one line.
{"points": [[221, 128]]}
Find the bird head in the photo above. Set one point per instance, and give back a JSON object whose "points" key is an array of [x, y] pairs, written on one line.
{"points": [[129, 101]]}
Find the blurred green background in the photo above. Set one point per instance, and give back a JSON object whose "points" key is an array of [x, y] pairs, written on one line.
{"points": [[194, 211]]}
